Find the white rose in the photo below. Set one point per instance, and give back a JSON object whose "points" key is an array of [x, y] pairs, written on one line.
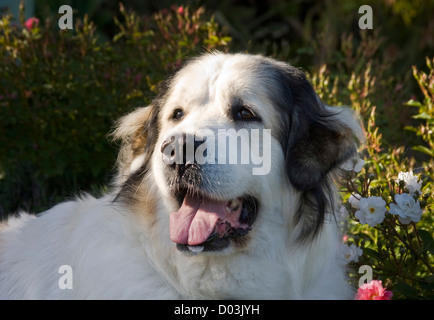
{"points": [[371, 210], [406, 208], [410, 180], [354, 164], [354, 200], [353, 253]]}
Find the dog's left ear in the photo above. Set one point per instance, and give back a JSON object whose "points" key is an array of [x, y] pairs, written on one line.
{"points": [[137, 132], [323, 138]]}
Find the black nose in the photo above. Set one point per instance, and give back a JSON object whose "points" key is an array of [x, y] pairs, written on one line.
{"points": [[179, 151]]}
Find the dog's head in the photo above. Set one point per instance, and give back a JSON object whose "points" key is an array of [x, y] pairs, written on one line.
{"points": [[235, 144]]}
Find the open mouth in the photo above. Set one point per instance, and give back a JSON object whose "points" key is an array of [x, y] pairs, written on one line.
{"points": [[202, 224]]}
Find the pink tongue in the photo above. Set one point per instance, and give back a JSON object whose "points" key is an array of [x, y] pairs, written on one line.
{"points": [[194, 222]]}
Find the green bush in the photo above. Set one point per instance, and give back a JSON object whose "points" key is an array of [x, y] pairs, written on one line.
{"points": [[400, 253], [61, 90]]}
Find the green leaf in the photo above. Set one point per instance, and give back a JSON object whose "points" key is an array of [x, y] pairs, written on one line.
{"points": [[427, 240], [406, 290], [411, 129], [427, 284], [414, 103], [422, 115], [371, 253], [424, 150]]}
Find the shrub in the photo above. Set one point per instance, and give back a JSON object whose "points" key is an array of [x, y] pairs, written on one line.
{"points": [[61, 90], [391, 207], [388, 196]]}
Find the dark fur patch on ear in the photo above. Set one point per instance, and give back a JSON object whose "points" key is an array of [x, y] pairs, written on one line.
{"points": [[311, 157], [143, 141], [315, 142], [309, 162], [315, 154]]}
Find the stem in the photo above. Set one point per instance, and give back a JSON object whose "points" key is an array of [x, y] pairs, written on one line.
{"points": [[409, 247], [417, 234]]}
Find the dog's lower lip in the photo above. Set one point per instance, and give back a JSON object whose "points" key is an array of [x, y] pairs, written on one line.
{"points": [[209, 246]]}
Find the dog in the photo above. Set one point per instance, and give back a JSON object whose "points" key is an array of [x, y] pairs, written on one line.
{"points": [[224, 189]]}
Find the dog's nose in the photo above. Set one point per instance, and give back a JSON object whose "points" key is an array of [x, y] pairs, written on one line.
{"points": [[179, 151]]}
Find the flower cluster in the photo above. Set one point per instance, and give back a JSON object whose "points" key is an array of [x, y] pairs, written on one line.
{"points": [[383, 232], [372, 210]]}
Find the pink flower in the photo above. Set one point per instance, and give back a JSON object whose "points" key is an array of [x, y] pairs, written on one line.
{"points": [[373, 291], [181, 10], [31, 23]]}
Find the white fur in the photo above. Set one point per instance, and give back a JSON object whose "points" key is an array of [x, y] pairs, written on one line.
{"points": [[123, 251]]}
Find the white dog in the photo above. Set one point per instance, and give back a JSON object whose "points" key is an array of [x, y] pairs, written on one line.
{"points": [[224, 191]]}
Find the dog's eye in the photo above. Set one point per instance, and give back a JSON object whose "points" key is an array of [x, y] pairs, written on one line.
{"points": [[245, 114], [177, 114]]}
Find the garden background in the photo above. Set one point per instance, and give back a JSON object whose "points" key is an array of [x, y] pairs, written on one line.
{"points": [[62, 90]]}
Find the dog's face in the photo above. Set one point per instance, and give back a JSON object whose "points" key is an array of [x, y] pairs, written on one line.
{"points": [[236, 144]]}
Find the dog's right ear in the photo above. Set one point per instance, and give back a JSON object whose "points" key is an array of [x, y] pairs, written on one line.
{"points": [[137, 132]]}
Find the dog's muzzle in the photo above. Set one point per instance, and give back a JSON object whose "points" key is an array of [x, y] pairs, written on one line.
{"points": [[202, 222]]}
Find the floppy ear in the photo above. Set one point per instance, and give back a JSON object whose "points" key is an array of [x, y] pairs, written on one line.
{"points": [[137, 132], [325, 142], [317, 140]]}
